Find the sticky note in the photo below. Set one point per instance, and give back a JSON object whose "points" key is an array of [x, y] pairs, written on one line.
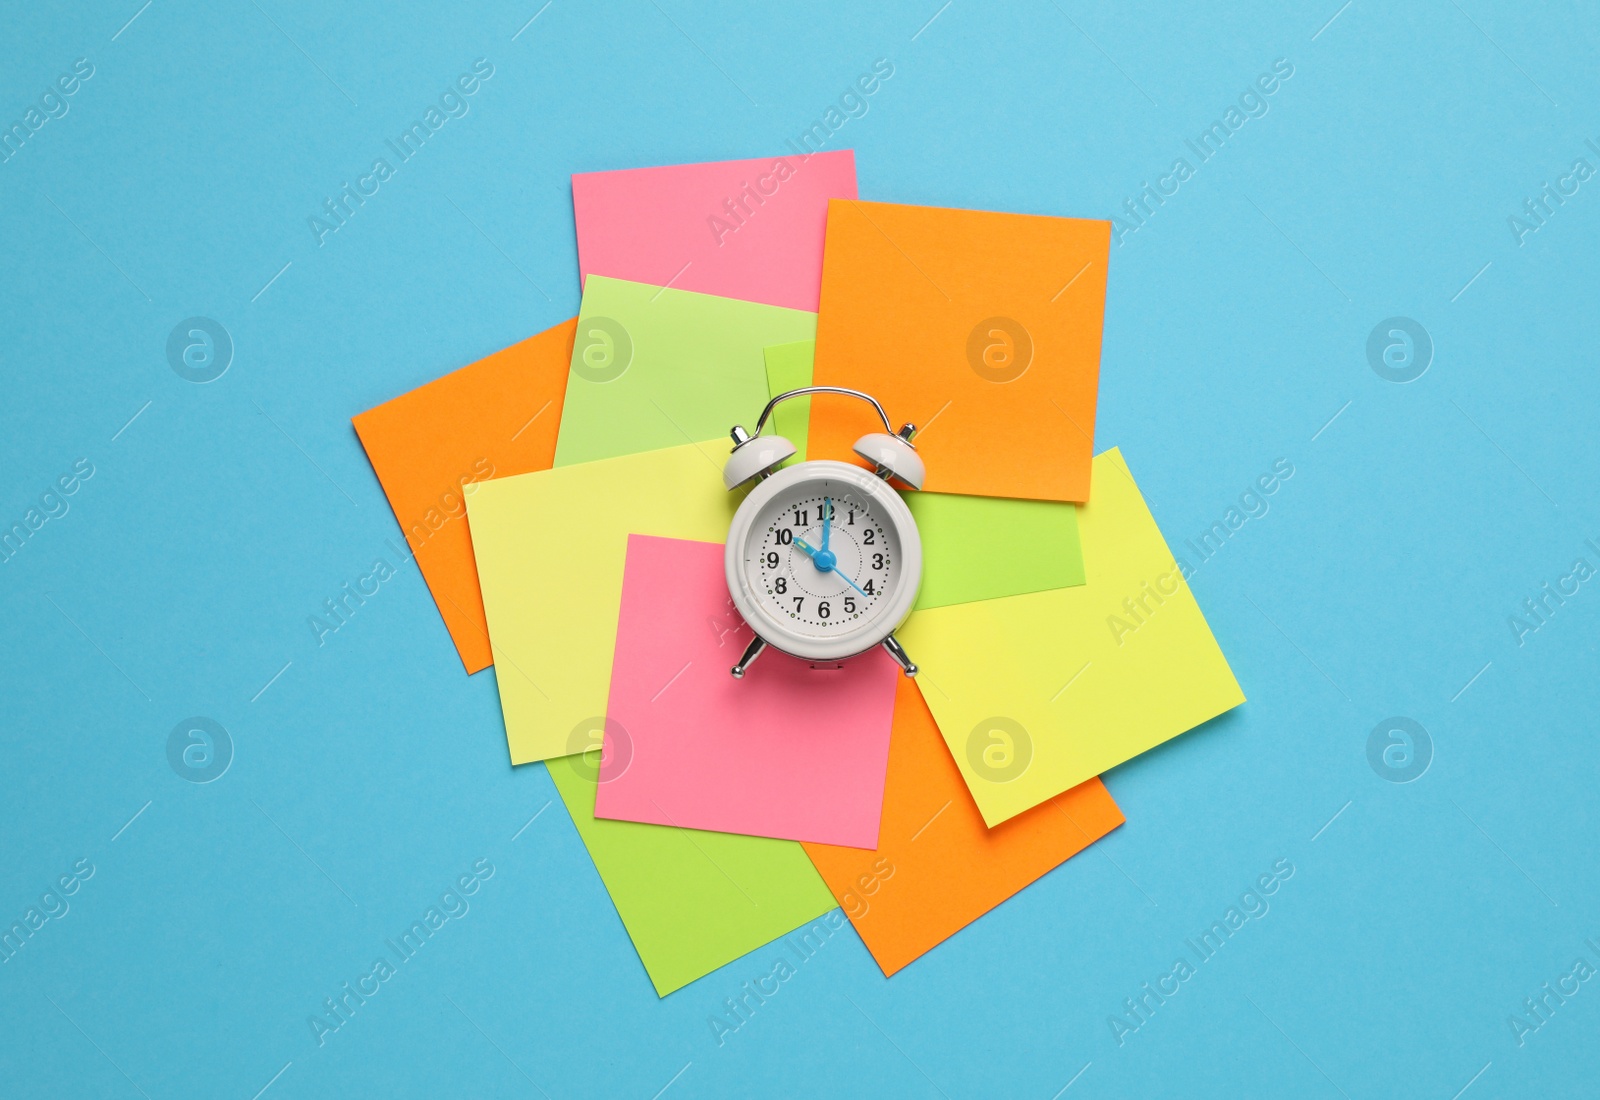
{"points": [[937, 867], [655, 367], [429, 446], [550, 549], [748, 229], [789, 367], [974, 548], [1036, 694], [789, 751], [691, 901], [983, 329]]}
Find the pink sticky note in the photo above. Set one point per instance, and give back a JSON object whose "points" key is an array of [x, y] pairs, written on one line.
{"points": [[747, 229], [789, 751]]}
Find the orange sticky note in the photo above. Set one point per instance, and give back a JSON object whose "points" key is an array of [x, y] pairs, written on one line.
{"points": [[936, 868], [496, 417], [982, 329]]}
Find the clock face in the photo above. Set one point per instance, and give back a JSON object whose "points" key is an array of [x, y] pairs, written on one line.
{"points": [[823, 560]]}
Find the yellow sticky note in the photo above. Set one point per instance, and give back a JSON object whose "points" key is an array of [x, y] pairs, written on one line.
{"points": [[1035, 694], [550, 548]]}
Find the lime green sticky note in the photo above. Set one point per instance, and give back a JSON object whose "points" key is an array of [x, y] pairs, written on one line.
{"points": [[973, 548], [654, 367], [691, 901], [984, 548], [789, 368]]}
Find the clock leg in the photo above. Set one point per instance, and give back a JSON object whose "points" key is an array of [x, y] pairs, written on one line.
{"points": [[752, 651], [895, 650]]}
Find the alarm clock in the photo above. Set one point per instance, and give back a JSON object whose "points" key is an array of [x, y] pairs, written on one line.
{"points": [[823, 558]]}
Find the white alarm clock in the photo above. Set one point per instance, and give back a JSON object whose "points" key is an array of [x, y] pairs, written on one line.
{"points": [[823, 558]]}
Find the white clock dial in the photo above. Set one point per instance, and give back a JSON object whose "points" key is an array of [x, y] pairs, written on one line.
{"points": [[823, 560], [821, 557]]}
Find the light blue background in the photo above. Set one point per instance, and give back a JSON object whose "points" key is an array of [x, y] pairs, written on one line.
{"points": [[372, 772]]}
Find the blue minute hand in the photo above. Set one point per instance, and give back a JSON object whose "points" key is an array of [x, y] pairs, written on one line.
{"points": [[827, 519]]}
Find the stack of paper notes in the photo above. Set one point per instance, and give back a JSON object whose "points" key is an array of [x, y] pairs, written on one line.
{"points": [[564, 501]]}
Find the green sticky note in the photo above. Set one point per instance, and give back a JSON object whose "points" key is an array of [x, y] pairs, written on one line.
{"points": [[973, 548], [789, 368], [984, 548], [654, 367], [691, 901]]}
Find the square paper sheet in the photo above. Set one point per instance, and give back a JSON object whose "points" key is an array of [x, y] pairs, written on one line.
{"points": [[655, 367], [431, 446], [983, 329], [789, 751], [749, 229], [937, 867], [1036, 694]]}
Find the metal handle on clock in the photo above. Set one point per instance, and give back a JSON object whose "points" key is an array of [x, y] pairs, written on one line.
{"points": [[803, 391]]}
